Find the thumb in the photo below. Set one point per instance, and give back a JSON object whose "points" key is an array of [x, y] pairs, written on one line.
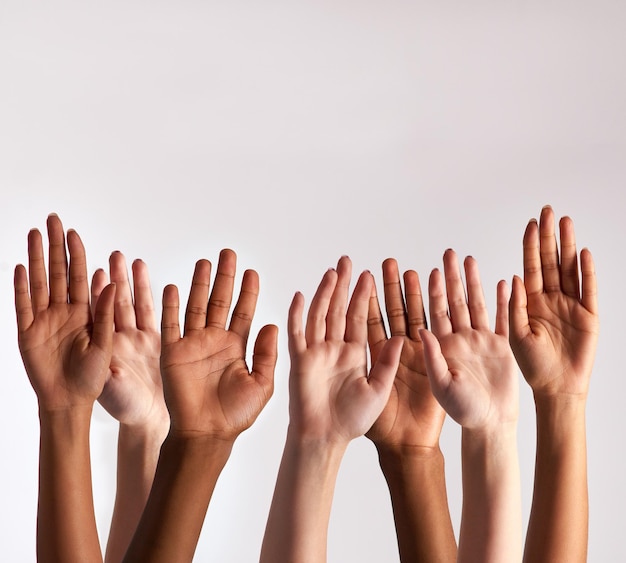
{"points": [[102, 331], [265, 355], [436, 365], [384, 370]]}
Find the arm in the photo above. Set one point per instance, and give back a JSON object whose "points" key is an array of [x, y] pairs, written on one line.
{"points": [[211, 396], [66, 354], [331, 401], [554, 330], [473, 375], [133, 394], [406, 434]]}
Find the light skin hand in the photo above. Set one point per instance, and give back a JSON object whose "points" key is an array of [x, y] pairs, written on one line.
{"points": [[332, 398], [412, 415], [133, 392], [472, 370], [554, 318]]}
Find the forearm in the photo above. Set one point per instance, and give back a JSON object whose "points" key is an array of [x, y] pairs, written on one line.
{"points": [[186, 474], [558, 526], [66, 524], [491, 518], [137, 457], [297, 526], [417, 485]]}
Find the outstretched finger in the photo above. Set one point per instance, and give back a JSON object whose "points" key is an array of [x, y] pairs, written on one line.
{"points": [[222, 292], [78, 281], [533, 277], [570, 283], [196, 311], [57, 260], [502, 309], [336, 318], [295, 332], [98, 282], [394, 301], [437, 370], [376, 334], [264, 358], [102, 332], [384, 370], [416, 317], [457, 301], [23, 305], [549, 251], [37, 272], [144, 302], [315, 330], [124, 308], [519, 324], [475, 296], [170, 324], [590, 285], [356, 317], [243, 313], [437, 305]]}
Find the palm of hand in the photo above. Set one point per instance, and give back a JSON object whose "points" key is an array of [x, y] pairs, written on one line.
{"points": [[483, 390], [412, 415], [64, 368], [133, 393], [331, 397], [557, 355], [208, 388]]}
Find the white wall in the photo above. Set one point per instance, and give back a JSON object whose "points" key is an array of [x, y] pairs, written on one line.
{"points": [[295, 132]]}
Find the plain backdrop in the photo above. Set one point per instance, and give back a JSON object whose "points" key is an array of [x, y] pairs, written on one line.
{"points": [[294, 132]]}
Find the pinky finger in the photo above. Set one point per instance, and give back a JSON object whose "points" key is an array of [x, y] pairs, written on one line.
{"points": [[23, 305], [589, 286]]}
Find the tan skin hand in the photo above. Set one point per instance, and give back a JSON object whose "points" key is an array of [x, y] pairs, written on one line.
{"points": [[554, 327], [66, 353], [412, 415], [208, 387], [133, 393]]}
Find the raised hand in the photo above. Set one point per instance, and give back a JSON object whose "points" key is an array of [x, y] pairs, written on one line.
{"points": [[208, 387], [406, 433], [211, 397], [332, 395], [554, 318], [133, 394], [473, 375], [412, 415], [333, 398], [66, 353], [554, 331], [471, 369]]}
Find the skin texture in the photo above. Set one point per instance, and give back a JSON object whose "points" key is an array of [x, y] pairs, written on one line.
{"points": [[66, 353], [474, 377], [554, 332], [333, 398], [211, 396], [406, 434], [132, 394]]}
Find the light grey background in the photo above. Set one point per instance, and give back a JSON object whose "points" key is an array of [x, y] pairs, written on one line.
{"points": [[295, 132]]}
